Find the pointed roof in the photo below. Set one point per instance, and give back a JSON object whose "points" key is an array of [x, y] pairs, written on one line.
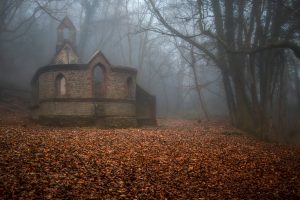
{"points": [[100, 55], [62, 47], [66, 42], [66, 23]]}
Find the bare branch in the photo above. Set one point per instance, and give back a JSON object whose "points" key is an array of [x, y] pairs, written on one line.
{"points": [[47, 11], [276, 45], [181, 35]]}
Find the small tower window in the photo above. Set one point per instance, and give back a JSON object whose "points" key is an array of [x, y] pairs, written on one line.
{"points": [[66, 34], [129, 87], [98, 81], [60, 85]]}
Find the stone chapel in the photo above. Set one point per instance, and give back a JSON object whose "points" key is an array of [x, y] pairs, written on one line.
{"points": [[67, 92]]}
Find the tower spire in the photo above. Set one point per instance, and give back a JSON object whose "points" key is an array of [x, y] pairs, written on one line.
{"points": [[66, 32]]}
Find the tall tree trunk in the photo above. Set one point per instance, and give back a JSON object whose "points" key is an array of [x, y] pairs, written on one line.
{"points": [[197, 83], [282, 101], [297, 86], [90, 8]]}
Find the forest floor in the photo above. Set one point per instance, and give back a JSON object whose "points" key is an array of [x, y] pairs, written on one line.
{"points": [[179, 159]]}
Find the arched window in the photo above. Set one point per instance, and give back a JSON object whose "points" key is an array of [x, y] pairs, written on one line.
{"points": [[66, 34], [99, 81], [129, 87], [60, 84]]}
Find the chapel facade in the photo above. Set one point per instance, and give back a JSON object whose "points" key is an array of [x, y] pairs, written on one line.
{"points": [[67, 92]]}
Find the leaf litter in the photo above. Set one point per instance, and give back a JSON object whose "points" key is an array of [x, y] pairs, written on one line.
{"points": [[177, 160]]}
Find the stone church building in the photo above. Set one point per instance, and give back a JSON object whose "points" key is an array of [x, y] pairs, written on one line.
{"points": [[98, 93]]}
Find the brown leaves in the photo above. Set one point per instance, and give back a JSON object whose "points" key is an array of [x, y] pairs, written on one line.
{"points": [[181, 161]]}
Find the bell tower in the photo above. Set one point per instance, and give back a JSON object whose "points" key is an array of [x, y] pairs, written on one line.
{"points": [[66, 43], [66, 32]]}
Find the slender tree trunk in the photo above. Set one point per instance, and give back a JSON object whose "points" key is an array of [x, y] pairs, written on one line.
{"points": [[143, 44], [197, 83], [297, 86], [229, 97], [128, 35], [89, 10], [282, 102]]}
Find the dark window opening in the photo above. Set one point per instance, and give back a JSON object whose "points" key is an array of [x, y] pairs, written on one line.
{"points": [[60, 85], [130, 87], [98, 81], [66, 34]]}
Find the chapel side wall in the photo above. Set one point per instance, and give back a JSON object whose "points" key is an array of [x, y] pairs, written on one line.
{"points": [[116, 114], [46, 86], [67, 113], [117, 85], [119, 110], [101, 109], [145, 107], [77, 84], [116, 109], [123, 113], [53, 108]]}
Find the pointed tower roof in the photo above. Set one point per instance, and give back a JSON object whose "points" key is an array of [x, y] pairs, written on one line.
{"points": [[66, 54], [66, 32], [66, 23]]}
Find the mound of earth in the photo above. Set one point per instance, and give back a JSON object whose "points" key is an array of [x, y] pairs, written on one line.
{"points": [[14, 107]]}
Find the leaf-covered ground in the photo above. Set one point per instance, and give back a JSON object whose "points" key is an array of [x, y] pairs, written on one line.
{"points": [[177, 160]]}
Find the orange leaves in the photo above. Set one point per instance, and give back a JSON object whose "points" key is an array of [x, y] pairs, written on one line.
{"points": [[181, 160]]}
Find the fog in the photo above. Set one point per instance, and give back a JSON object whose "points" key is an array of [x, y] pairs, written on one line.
{"points": [[178, 48], [116, 28]]}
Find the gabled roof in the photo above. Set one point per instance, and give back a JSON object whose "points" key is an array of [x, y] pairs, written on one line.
{"points": [[66, 23], [66, 42], [100, 54]]}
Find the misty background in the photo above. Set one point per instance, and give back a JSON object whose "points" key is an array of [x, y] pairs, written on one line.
{"points": [[119, 30]]}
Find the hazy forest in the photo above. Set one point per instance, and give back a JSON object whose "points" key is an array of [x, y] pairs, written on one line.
{"points": [[226, 78]]}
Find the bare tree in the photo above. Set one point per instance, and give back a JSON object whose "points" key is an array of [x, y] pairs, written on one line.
{"points": [[249, 39]]}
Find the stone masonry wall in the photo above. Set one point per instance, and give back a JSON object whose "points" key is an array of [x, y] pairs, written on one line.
{"points": [[117, 85], [78, 84], [113, 109], [67, 108], [145, 107], [102, 114], [66, 56]]}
